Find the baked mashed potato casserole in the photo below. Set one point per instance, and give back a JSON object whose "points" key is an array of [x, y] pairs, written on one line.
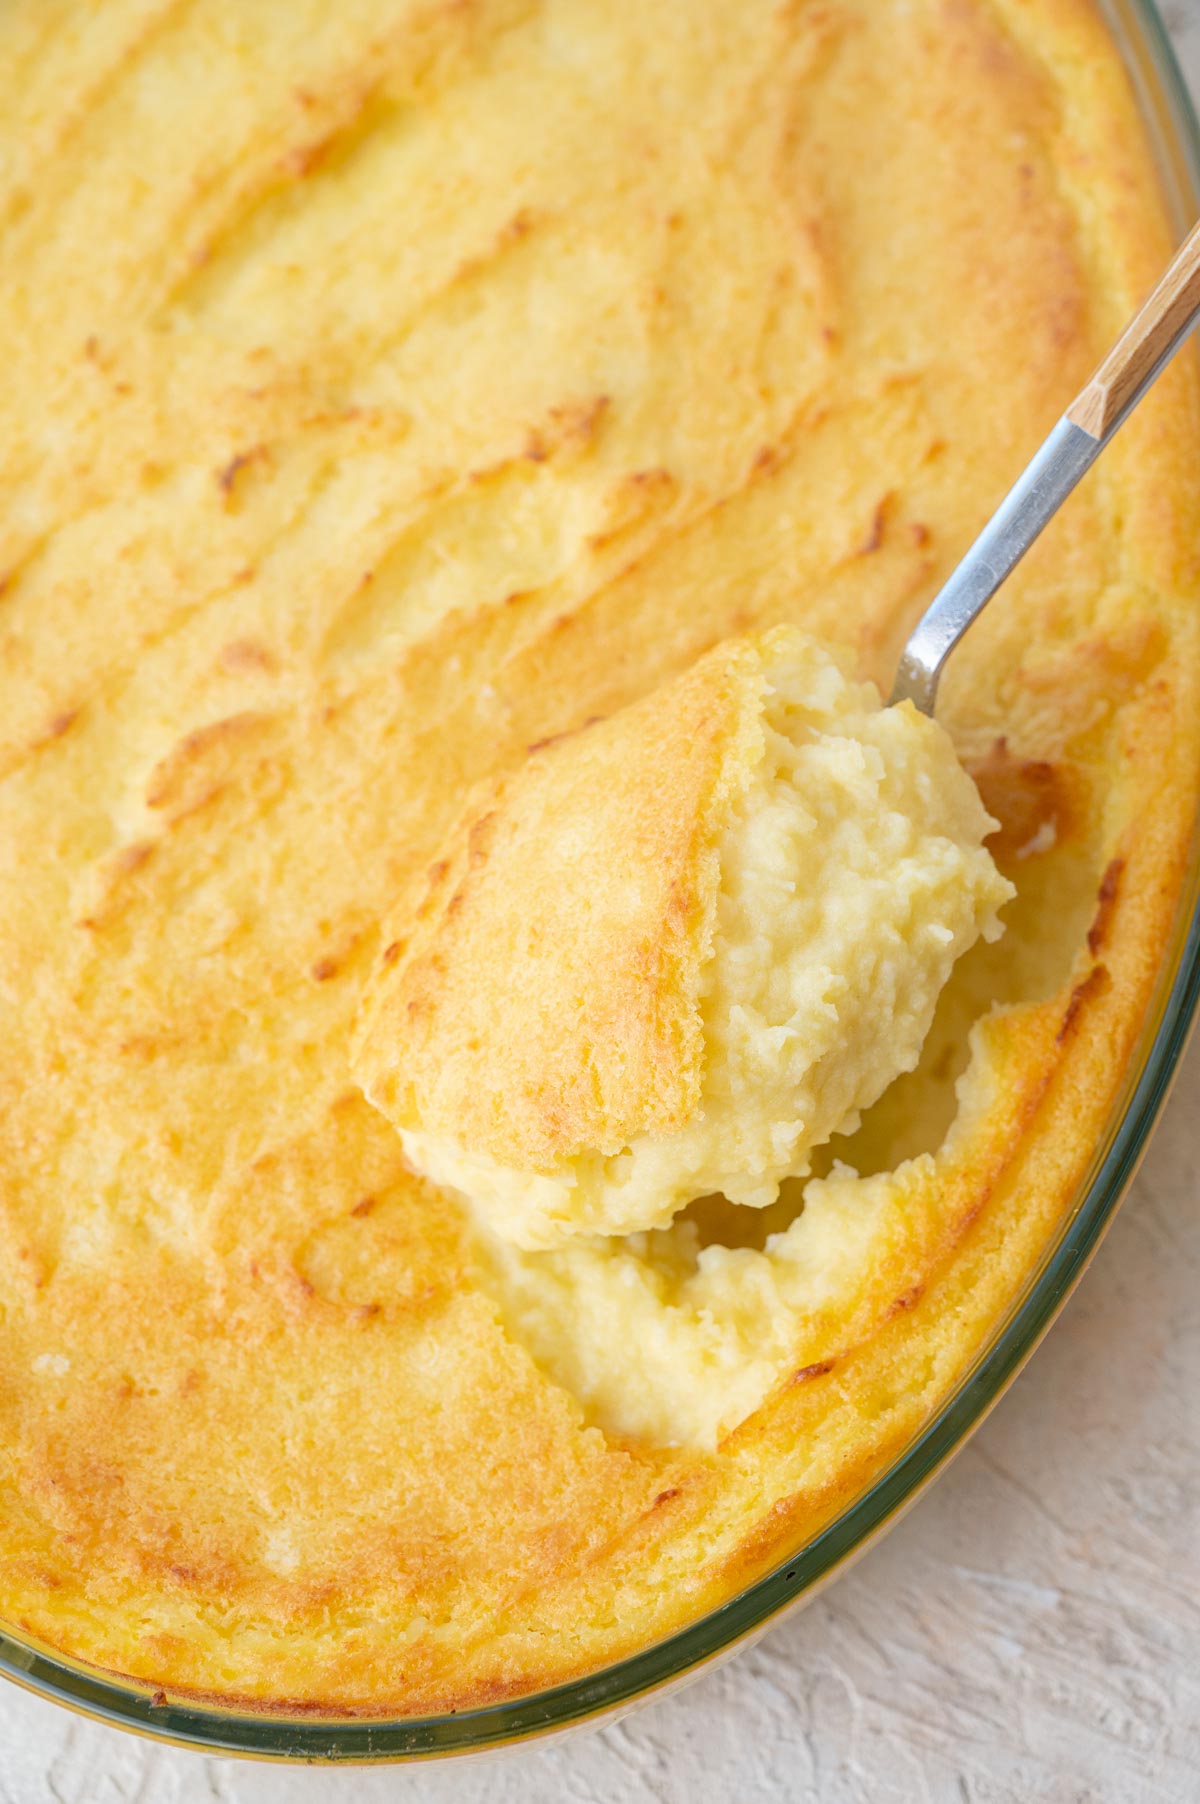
{"points": [[437, 441]]}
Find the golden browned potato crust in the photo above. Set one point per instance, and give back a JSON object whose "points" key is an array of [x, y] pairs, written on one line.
{"points": [[485, 1020], [389, 387]]}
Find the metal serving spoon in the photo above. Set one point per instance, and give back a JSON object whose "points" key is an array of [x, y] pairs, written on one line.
{"points": [[1141, 353]]}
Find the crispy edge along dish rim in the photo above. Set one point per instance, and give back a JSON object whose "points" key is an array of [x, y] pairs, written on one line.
{"points": [[1173, 131]]}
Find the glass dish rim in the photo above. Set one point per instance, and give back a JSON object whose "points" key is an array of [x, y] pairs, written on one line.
{"points": [[1170, 120]]}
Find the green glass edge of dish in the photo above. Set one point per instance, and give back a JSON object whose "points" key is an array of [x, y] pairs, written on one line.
{"points": [[1174, 133]]}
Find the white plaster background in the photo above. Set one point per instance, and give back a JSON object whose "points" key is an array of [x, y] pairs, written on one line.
{"points": [[1030, 1634]]}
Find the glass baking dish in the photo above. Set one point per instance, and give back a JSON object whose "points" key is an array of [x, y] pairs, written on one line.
{"points": [[1174, 135]]}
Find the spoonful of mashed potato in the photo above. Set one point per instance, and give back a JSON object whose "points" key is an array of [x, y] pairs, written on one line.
{"points": [[677, 950]]}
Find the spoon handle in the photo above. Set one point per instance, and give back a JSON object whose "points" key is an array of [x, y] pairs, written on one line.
{"points": [[1150, 339], [1147, 344]]}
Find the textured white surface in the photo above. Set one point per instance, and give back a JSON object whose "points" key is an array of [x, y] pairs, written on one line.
{"points": [[1031, 1632]]}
